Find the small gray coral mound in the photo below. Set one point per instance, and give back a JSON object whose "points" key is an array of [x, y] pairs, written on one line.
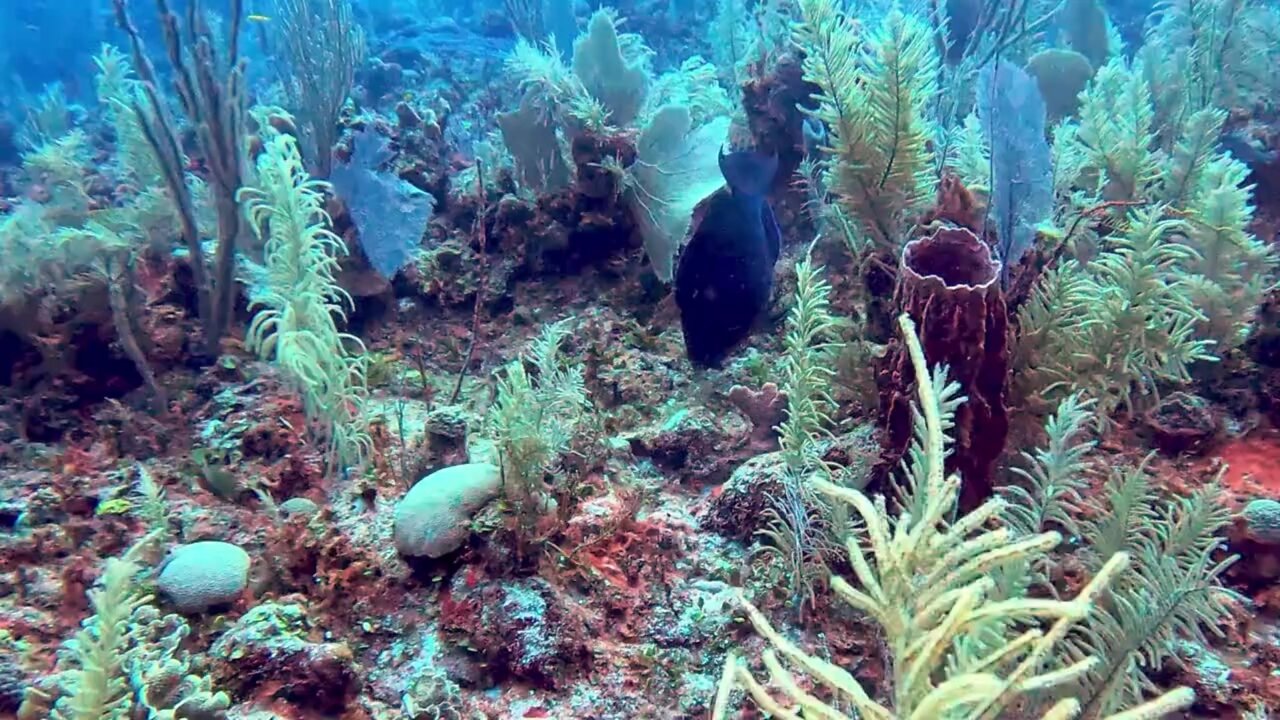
{"points": [[432, 519], [197, 576], [1262, 520]]}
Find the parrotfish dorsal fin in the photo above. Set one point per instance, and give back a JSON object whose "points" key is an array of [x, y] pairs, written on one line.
{"points": [[748, 172]]}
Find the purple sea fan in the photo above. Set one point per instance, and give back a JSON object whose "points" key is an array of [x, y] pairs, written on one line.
{"points": [[1012, 112], [390, 214]]}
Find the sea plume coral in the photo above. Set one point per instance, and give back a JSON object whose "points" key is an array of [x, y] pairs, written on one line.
{"points": [[873, 102], [299, 302], [926, 580]]}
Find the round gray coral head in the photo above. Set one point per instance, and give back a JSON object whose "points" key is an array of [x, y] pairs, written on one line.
{"points": [[1262, 520], [198, 576], [434, 517]]}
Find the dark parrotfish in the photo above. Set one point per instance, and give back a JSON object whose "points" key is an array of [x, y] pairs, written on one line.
{"points": [[725, 276]]}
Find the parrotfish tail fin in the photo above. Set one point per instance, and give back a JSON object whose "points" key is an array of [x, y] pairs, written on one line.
{"points": [[748, 172]]}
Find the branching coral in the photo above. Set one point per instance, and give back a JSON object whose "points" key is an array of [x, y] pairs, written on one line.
{"points": [[215, 106], [744, 34], [1190, 155], [692, 85], [50, 247], [534, 419], [1207, 53], [807, 367], [799, 521], [1053, 476], [1134, 324], [925, 579], [1053, 480], [1178, 276], [59, 166], [732, 40], [1174, 592], [300, 302], [48, 118], [1118, 131], [1048, 320], [38, 254], [973, 33], [100, 686], [119, 91], [1232, 269], [553, 90], [873, 100], [148, 216], [324, 47], [24, 241], [967, 154]]}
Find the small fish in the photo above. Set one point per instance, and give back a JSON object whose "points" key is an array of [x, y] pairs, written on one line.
{"points": [[815, 137], [255, 17], [725, 276]]}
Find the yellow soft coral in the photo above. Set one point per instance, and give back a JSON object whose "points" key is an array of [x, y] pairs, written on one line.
{"points": [[926, 580], [299, 300]]}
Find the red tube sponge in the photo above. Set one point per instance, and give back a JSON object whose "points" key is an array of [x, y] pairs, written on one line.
{"points": [[949, 283]]}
